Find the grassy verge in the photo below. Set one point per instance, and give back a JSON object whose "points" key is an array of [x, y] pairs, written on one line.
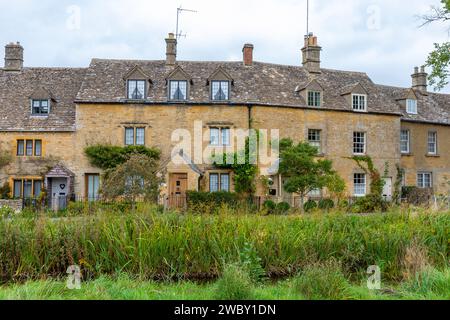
{"points": [[155, 246]]}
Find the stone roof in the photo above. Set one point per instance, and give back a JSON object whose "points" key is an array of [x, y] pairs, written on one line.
{"points": [[431, 107], [17, 88], [261, 83]]}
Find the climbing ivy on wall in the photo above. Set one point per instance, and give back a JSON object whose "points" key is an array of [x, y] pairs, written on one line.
{"points": [[376, 181], [109, 157]]}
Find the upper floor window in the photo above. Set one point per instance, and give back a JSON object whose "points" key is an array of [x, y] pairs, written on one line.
{"points": [[178, 90], [411, 106], [424, 179], [359, 102], [29, 148], [135, 136], [359, 142], [314, 98], [314, 139], [404, 141], [136, 89], [40, 107], [432, 142], [219, 136], [220, 90]]}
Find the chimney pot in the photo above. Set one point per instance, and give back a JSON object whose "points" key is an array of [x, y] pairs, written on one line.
{"points": [[13, 57], [419, 79], [171, 50], [248, 54]]}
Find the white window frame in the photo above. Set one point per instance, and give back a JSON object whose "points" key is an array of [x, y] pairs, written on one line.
{"points": [[411, 106], [407, 141], [220, 83], [357, 107], [315, 143], [130, 94], [358, 186], [432, 141], [40, 106], [421, 180], [178, 82], [364, 135], [223, 139]]}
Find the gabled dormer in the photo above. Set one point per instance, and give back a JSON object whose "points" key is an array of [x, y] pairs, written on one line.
{"points": [[312, 93], [409, 102], [41, 101], [137, 84], [178, 85], [220, 83], [356, 96]]}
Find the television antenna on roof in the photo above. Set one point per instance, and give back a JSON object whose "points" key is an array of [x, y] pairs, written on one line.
{"points": [[180, 10], [307, 18]]}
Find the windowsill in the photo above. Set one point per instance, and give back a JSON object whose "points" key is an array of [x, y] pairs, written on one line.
{"points": [[428, 155], [360, 154], [360, 111], [409, 154], [39, 116], [321, 155], [28, 157]]}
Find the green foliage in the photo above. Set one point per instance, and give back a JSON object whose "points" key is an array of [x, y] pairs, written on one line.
{"points": [[336, 186], [322, 282], [5, 159], [109, 157], [6, 212], [283, 208], [235, 284], [430, 281], [396, 197], [310, 205], [439, 60], [270, 206], [252, 263], [216, 199], [326, 204], [302, 171], [136, 178], [368, 204], [5, 191]]}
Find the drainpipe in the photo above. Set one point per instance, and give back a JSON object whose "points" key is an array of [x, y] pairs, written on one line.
{"points": [[249, 107]]}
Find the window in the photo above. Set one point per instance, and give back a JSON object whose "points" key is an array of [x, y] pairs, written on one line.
{"points": [[359, 182], [40, 107], [178, 90], [404, 141], [20, 148], [27, 188], [359, 102], [359, 143], [140, 136], [219, 182], [432, 143], [29, 148], [220, 90], [316, 193], [314, 139], [411, 106], [219, 136], [38, 148], [314, 98], [424, 179], [136, 89], [129, 136], [92, 186]]}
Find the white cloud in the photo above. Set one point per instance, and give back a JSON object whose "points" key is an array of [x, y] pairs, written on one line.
{"points": [[380, 37]]}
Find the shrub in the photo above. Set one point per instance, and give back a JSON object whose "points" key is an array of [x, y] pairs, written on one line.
{"points": [[197, 199], [6, 212], [326, 204], [430, 281], [270, 206], [252, 263], [368, 204], [5, 191], [322, 282], [234, 284], [283, 208], [310, 205]]}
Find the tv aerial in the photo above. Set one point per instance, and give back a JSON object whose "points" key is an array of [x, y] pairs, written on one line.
{"points": [[180, 10]]}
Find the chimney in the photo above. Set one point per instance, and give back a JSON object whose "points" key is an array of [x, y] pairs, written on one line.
{"points": [[171, 51], [13, 57], [419, 79], [248, 54], [311, 54]]}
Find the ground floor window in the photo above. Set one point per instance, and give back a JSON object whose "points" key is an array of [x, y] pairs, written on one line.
{"points": [[360, 186], [92, 186], [424, 179], [219, 182], [27, 188]]}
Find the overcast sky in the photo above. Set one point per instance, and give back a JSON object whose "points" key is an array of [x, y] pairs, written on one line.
{"points": [[380, 37]]}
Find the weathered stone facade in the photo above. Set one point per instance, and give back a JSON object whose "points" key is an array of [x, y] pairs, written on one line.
{"points": [[91, 106]]}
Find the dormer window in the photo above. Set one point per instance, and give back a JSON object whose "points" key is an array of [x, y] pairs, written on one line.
{"points": [[411, 106], [178, 90], [136, 89], [359, 102], [220, 90], [314, 98], [40, 107]]}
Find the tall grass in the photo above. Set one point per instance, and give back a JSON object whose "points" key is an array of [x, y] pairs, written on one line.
{"points": [[173, 246]]}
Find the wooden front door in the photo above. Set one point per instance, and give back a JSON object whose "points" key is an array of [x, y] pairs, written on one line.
{"points": [[177, 191]]}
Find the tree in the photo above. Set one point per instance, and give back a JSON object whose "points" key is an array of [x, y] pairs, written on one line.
{"points": [[134, 179], [303, 172], [439, 58]]}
